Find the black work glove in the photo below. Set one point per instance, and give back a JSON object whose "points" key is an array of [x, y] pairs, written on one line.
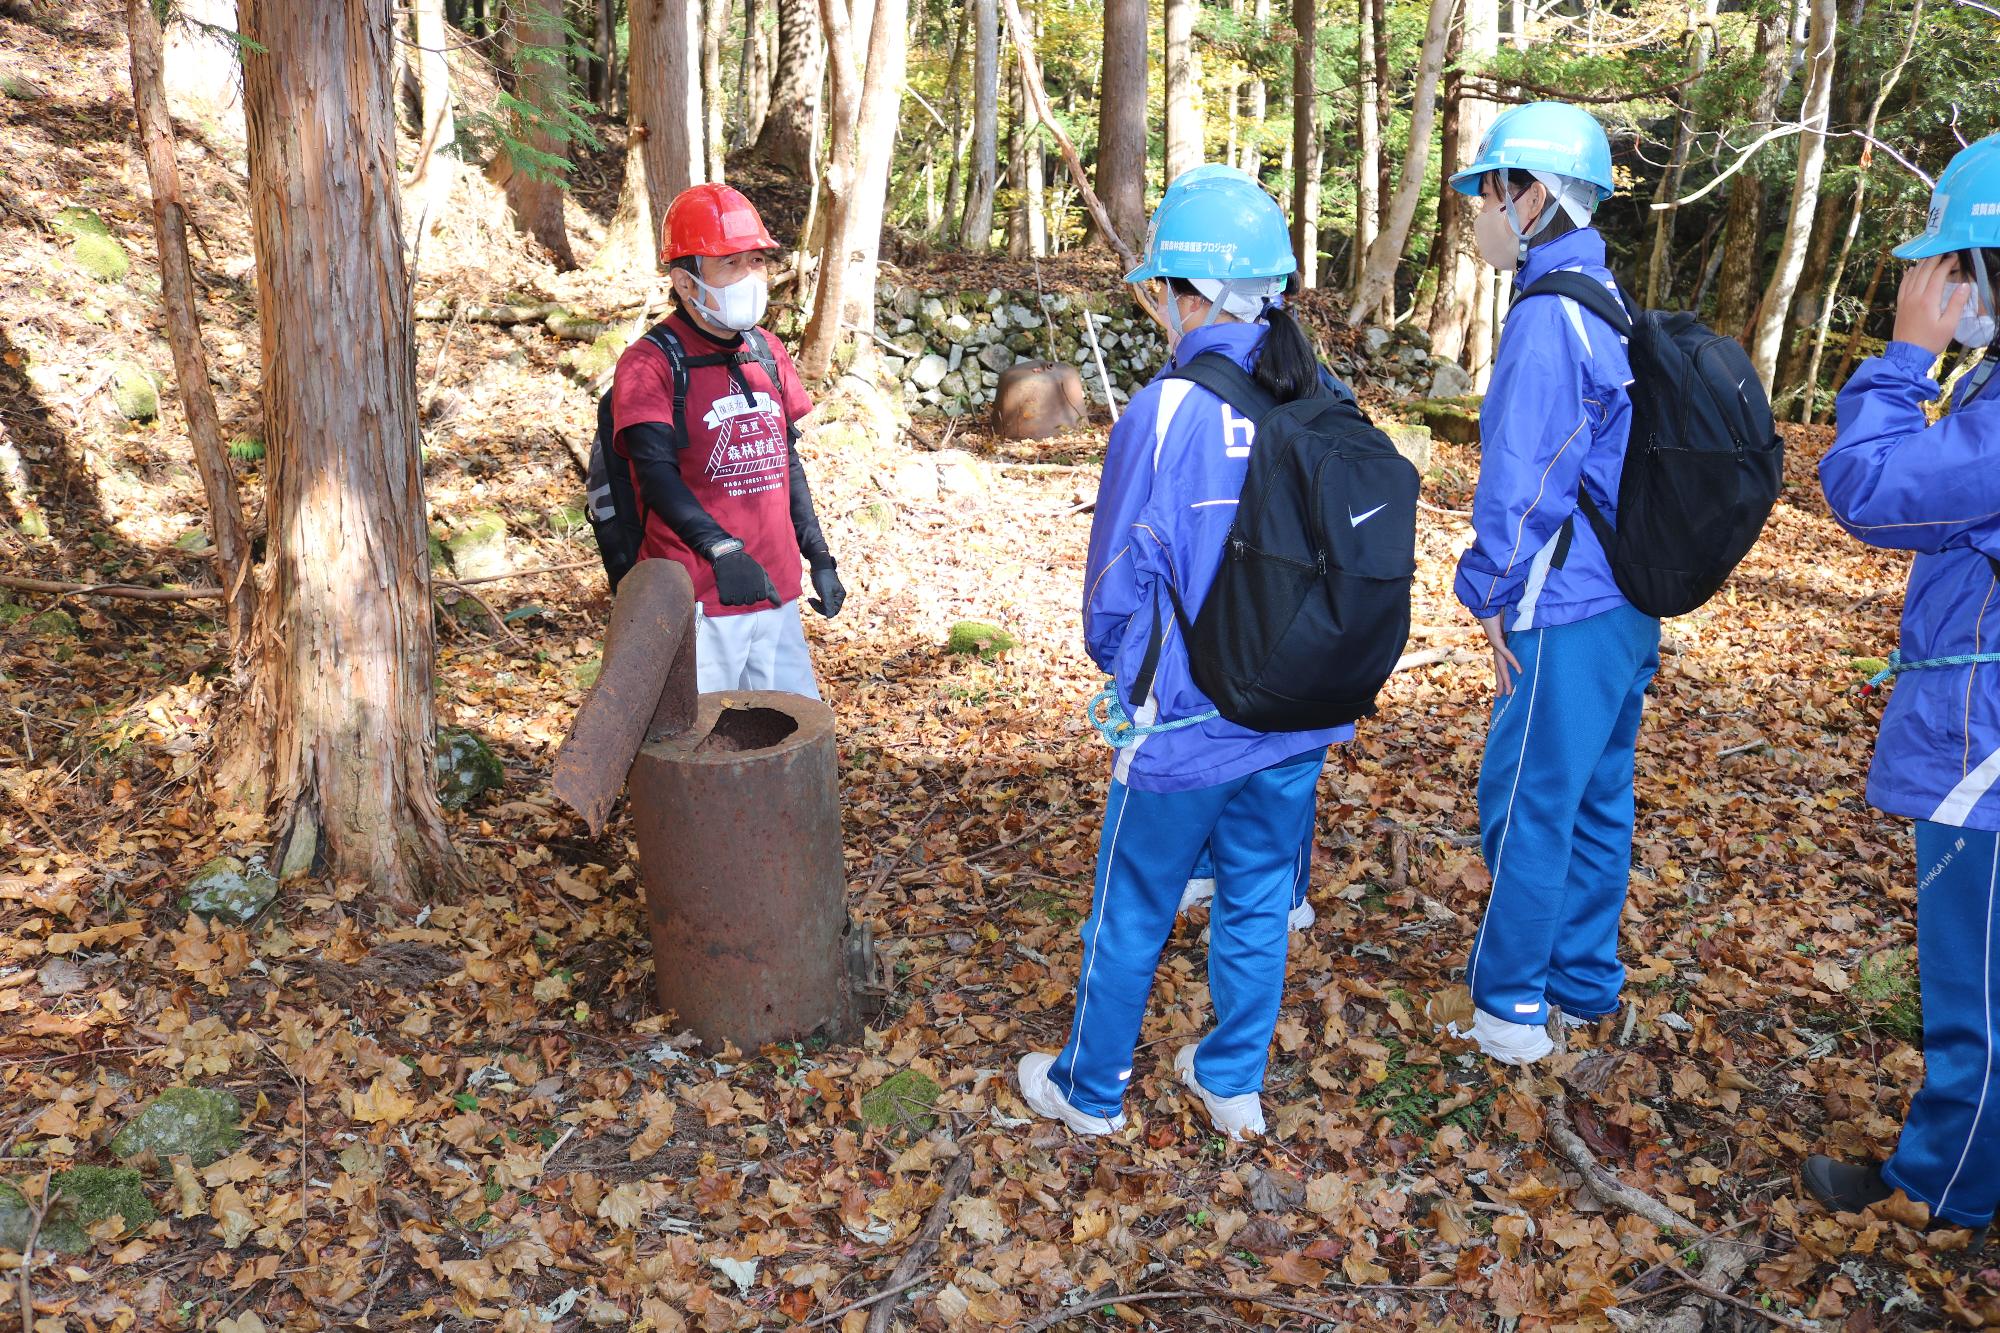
{"points": [[740, 580], [832, 596]]}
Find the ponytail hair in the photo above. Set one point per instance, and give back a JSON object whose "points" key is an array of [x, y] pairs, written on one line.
{"points": [[1287, 366]]}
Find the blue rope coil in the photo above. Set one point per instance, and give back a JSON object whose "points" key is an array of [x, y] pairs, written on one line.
{"points": [[1897, 666], [1120, 731]]}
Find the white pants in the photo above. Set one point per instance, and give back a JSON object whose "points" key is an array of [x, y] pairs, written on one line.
{"points": [[756, 650]]}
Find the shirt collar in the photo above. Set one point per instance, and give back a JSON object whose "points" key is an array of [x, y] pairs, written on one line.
{"points": [[1238, 342], [1584, 247]]}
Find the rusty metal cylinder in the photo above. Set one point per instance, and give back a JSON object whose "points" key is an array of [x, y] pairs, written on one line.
{"points": [[738, 821]]}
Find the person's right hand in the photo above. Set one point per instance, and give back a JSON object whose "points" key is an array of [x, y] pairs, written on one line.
{"points": [[1924, 317], [1503, 656], [741, 581]]}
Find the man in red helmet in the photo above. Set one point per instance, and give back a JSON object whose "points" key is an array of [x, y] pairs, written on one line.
{"points": [[705, 407]]}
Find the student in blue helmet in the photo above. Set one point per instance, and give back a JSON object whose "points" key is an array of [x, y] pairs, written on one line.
{"points": [[1201, 882], [1896, 481], [1571, 656], [1217, 260]]}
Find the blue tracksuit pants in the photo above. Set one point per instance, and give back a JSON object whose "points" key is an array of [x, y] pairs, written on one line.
{"points": [[1204, 866], [1555, 817], [1254, 826], [1949, 1154]]}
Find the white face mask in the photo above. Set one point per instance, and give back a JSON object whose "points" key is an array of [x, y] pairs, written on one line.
{"points": [[1493, 231], [739, 306], [1975, 322]]}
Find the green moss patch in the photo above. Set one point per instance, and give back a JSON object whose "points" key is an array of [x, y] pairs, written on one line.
{"points": [[78, 1200], [201, 1122], [903, 1099], [970, 637]]}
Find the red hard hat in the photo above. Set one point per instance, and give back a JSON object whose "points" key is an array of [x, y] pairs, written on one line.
{"points": [[713, 221]]}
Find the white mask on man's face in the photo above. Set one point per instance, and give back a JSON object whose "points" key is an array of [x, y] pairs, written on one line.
{"points": [[1975, 322], [739, 306]]}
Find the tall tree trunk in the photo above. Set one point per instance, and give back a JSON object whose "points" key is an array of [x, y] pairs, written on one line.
{"points": [[211, 458], [1257, 103], [1185, 132], [1816, 112], [757, 74], [1121, 120], [714, 21], [1852, 351], [954, 96], [1659, 264], [1305, 143], [862, 134], [437, 168], [664, 149], [1375, 294], [977, 233], [1378, 22], [346, 652], [1368, 144], [1743, 236], [1455, 259], [1808, 295], [787, 138], [604, 56], [1810, 402], [534, 196], [1033, 205], [881, 115]]}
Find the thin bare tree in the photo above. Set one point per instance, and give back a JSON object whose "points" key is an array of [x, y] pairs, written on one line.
{"points": [[1814, 114], [1374, 295]]}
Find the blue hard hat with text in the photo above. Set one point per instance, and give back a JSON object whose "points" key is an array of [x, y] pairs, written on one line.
{"points": [[1965, 205], [1543, 136], [1216, 222]]}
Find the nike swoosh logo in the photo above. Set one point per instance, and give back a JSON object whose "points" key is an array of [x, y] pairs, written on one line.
{"points": [[1355, 520]]}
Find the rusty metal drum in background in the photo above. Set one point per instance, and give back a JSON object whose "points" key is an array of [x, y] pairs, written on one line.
{"points": [[738, 821]]}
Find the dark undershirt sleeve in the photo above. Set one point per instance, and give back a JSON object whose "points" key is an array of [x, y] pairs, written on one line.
{"points": [[656, 459], [805, 519]]}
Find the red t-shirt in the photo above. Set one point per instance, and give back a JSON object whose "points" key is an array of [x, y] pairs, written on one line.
{"points": [[736, 462]]}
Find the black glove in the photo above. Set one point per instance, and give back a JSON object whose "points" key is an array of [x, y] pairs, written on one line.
{"points": [[832, 596], [740, 580]]}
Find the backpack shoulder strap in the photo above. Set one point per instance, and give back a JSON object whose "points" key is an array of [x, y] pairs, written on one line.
{"points": [[759, 347], [670, 347], [1229, 382], [1587, 292]]}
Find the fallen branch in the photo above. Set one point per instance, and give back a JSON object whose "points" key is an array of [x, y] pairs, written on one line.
{"points": [[835, 1316], [1759, 744], [205, 593], [1726, 1263], [1598, 1179], [40, 1212], [918, 1258], [1435, 657], [1068, 1313], [1430, 508]]}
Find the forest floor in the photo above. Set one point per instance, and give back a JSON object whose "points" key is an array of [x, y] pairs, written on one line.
{"points": [[478, 1117]]}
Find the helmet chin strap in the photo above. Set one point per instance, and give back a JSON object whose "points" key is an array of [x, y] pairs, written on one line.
{"points": [[1524, 240]]}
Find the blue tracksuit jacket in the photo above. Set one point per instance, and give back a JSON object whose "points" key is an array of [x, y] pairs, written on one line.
{"points": [[1556, 411], [1895, 481], [1172, 474]]}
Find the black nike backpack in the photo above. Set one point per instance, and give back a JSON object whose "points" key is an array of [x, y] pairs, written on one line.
{"points": [[1310, 608], [617, 516], [1704, 463]]}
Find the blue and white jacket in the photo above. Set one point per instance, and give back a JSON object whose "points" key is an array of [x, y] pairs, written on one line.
{"points": [[1172, 474], [1557, 410], [1897, 482]]}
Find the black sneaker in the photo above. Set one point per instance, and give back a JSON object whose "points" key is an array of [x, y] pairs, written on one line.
{"points": [[1844, 1187]]}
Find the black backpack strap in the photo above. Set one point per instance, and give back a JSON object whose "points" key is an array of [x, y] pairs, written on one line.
{"points": [[670, 347], [1587, 292], [759, 348], [1229, 382]]}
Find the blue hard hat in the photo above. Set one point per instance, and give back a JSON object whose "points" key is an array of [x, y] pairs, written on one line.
{"points": [[1965, 205], [1216, 222], [1543, 136]]}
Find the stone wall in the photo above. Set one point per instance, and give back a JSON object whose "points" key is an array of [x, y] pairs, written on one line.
{"points": [[947, 348]]}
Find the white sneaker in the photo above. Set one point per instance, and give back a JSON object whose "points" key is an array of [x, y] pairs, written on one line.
{"points": [[1302, 917], [1197, 892], [1042, 1098], [1509, 1043], [1235, 1117]]}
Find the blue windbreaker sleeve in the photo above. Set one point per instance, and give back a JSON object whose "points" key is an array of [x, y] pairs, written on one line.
{"points": [[1110, 574], [1894, 480], [1535, 431]]}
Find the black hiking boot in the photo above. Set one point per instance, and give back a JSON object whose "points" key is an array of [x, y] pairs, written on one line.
{"points": [[1845, 1187]]}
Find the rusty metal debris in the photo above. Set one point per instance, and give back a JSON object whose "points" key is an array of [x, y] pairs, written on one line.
{"points": [[735, 803]]}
